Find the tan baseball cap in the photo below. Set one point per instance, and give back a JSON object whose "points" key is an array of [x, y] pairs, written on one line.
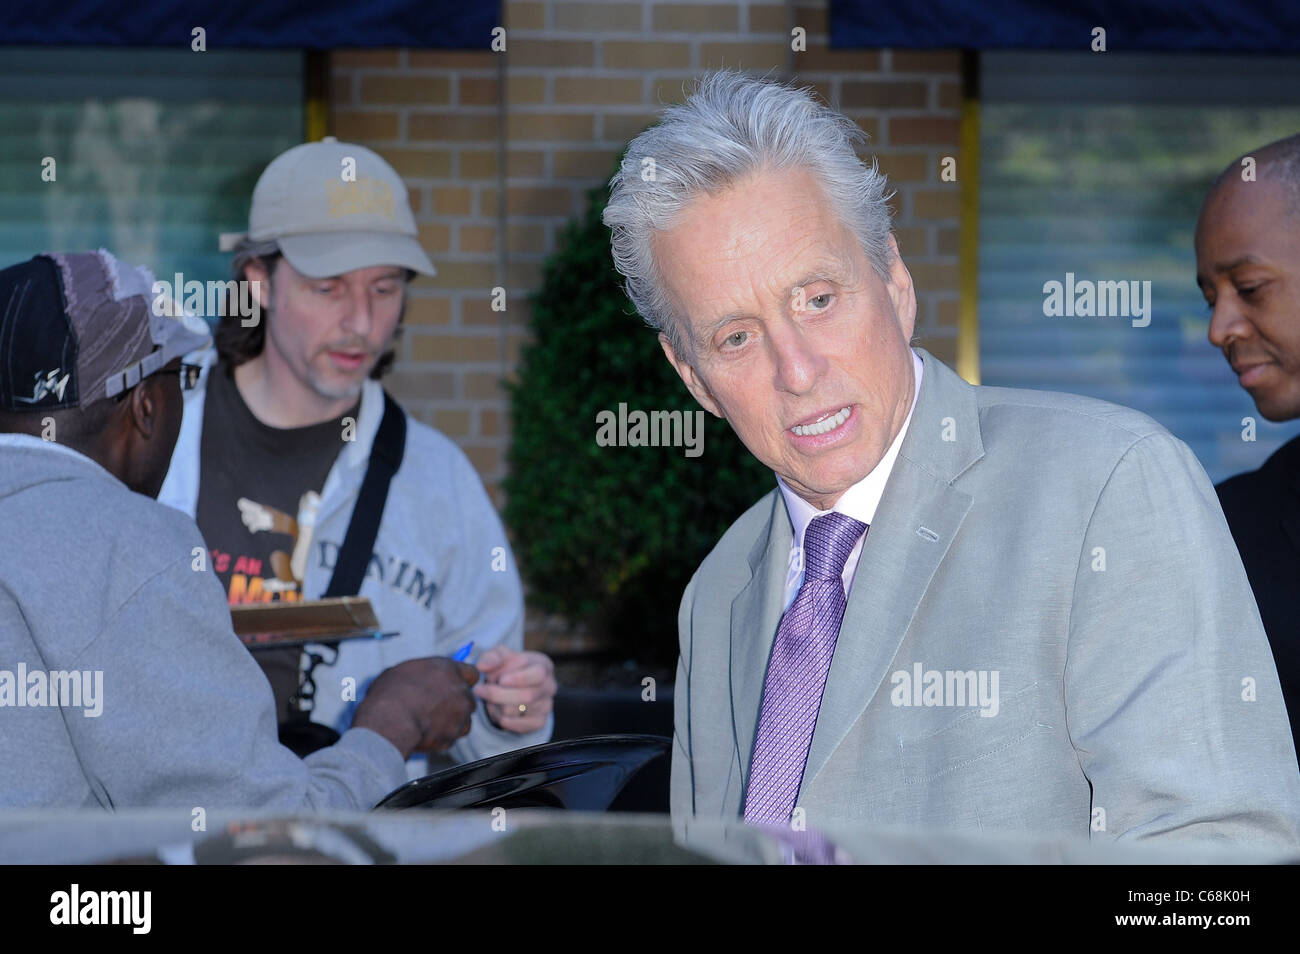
{"points": [[333, 207]]}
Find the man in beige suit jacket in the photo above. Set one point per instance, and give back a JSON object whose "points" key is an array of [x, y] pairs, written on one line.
{"points": [[1037, 620]]}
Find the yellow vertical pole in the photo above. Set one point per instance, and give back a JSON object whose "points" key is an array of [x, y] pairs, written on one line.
{"points": [[968, 326]]}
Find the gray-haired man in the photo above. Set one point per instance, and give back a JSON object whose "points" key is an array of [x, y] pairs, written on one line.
{"points": [[961, 607]]}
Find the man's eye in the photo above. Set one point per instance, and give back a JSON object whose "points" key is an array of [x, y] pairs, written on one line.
{"points": [[1249, 290], [386, 289], [820, 302], [736, 339], [324, 289]]}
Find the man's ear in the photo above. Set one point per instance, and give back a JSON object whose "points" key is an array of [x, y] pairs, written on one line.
{"points": [[143, 407], [901, 291], [694, 383], [255, 271]]}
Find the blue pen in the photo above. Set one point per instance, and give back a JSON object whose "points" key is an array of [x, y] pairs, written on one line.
{"points": [[463, 653]]}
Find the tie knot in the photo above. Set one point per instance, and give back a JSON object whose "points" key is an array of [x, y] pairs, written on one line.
{"points": [[827, 543]]}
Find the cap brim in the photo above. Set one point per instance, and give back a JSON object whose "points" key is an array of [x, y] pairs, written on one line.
{"points": [[326, 254]]}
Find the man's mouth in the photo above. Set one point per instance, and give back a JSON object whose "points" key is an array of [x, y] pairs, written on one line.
{"points": [[348, 360], [824, 423]]}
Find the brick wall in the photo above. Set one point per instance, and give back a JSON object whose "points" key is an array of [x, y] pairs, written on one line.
{"points": [[581, 79]]}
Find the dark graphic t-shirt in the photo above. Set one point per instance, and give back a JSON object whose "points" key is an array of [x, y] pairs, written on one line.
{"points": [[257, 482]]}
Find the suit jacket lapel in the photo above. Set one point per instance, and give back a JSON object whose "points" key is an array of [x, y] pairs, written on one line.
{"points": [[755, 615], [919, 515]]}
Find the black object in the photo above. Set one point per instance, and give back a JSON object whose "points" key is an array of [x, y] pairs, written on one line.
{"points": [[298, 732], [1263, 512], [615, 773], [359, 542]]}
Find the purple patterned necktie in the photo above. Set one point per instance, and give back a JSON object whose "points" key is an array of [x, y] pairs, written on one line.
{"points": [[796, 673]]}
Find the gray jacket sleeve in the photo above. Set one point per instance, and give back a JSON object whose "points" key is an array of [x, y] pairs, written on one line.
{"points": [[188, 718], [682, 781], [1172, 698]]}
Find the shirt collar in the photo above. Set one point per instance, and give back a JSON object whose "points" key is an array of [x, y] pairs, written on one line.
{"points": [[861, 500]]}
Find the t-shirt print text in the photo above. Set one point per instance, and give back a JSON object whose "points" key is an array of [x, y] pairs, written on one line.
{"points": [[390, 571]]}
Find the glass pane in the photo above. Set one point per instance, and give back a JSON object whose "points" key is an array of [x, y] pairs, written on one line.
{"points": [[1086, 189]]}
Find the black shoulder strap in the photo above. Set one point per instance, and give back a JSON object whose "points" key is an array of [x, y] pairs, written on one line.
{"points": [[359, 541]]}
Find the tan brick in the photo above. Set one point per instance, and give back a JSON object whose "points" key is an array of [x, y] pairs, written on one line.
{"points": [[341, 90], [352, 125], [949, 95], [671, 89], [813, 17], [456, 348], [435, 238], [416, 197], [597, 164], [428, 311], [483, 385], [819, 59], [936, 204], [486, 90], [452, 126], [421, 384], [539, 200], [605, 91], [483, 59], [883, 94], [905, 166], [514, 344], [620, 127], [948, 312], [696, 18], [477, 310], [597, 17], [431, 90], [934, 276], [521, 127], [524, 276], [487, 203], [420, 163], [478, 164], [525, 16], [911, 241], [638, 55], [454, 423], [548, 53], [491, 422], [926, 61], [868, 124], [476, 238], [528, 163], [746, 56], [948, 241], [924, 131], [771, 18], [452, 200], [362, 59], [473, 275], [486, 460], [526, 238], [822, 88]]}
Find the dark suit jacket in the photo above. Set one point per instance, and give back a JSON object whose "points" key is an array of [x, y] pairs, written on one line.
{"points": [[1263, 511]]}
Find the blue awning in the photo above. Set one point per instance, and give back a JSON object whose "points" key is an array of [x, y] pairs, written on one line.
{"points": [[1256, 26], [293, 24]]}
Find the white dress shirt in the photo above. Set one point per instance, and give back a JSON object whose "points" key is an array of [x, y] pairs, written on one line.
{"points": [[859, 502]]}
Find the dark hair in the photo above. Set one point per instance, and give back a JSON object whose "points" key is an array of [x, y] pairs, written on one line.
{"points": [[236, 344]]}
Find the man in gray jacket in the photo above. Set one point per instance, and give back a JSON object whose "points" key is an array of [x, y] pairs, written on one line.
{"points": [[122, 683]]}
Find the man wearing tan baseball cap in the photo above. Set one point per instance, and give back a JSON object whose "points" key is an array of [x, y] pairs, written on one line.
{"points": [[292, 459]]}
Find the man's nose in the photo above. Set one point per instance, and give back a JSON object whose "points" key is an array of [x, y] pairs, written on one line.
{"points": [[799, 364], [359, 318], [1226, 321]]}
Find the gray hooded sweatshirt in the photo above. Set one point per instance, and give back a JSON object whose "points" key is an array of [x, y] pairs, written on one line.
{"points": [[122, 683]]}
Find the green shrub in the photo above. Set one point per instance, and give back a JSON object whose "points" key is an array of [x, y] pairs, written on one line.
{"points": [[610, 535]]}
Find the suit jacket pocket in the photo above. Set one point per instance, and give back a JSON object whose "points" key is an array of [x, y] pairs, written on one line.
{"points": [[969, 738]]}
